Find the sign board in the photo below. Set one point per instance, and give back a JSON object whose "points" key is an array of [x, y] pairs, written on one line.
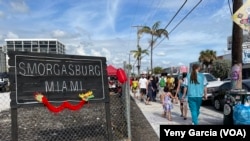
{"points": [[58, 77], [246, 56], [242, 16]]}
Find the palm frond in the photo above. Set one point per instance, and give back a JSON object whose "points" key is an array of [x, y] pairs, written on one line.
{"points": [[144, 29], [156, 25], [162, 32]]}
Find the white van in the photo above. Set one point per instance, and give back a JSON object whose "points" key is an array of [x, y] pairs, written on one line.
{"points": [[213, 84]]}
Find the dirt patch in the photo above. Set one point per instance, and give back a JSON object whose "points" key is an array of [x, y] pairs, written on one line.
{"points": [[140, 127]]}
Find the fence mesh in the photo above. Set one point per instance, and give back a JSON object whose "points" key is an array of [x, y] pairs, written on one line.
{"points": [[86, 124]]}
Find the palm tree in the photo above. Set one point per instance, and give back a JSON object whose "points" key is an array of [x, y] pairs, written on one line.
{"points": [[155, 33], [138, 56], [128, 67], [207, 57]]}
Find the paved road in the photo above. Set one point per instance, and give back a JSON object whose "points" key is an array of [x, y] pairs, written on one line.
{"points": [[153, 113]]}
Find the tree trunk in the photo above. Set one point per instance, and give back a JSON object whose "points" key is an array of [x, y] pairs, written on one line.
{"points": [[237, 37], [151, 55], [138, 67]]}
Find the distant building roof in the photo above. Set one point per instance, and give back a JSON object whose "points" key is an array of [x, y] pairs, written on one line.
{"points": [[33, 39]]}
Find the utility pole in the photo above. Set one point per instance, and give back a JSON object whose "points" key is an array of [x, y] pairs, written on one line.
{"points": [[237, 40], [139, 57]]}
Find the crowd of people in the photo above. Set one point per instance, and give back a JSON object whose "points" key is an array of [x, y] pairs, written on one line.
{"points": [[186, 89]]}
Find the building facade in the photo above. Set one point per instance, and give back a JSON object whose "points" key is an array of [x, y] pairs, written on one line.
{"points": [[29, 45], [245, 64], [35, 45], [3, 65], [245, 55]]}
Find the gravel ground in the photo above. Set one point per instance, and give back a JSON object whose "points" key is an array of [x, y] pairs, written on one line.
{"points": [[39, 124], [141, 128]]}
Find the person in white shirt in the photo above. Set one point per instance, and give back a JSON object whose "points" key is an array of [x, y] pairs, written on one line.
{"points": [[143, 86]]}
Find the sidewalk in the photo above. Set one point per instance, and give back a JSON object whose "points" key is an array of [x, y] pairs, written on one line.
{"points": [[153, 113]]}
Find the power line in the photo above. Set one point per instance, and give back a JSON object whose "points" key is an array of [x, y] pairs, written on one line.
{"points": [[132, 21], [176, 14], [150, 18], [230, 7], [184, 3], [180, 21], [149, 15], [177, 23]]}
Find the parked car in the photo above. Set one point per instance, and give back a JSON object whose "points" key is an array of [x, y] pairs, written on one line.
{"points": [[4, 82], [3, 85], [213, 84], [219, 94]]}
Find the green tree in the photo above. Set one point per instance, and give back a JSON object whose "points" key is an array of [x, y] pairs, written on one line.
{"points": [[158, 70], [155, 33], [129, 67], [207, 57], [221, 68], [137, 54]]}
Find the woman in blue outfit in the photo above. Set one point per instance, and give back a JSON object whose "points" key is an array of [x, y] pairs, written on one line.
{"points": [[195, 88], [179, 93]]}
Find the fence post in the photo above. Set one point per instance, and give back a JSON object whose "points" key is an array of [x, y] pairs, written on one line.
{"points": [[14, 126], [127, 92]]}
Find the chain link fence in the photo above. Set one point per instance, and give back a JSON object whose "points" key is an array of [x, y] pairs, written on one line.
{"points": [[37, 123]]}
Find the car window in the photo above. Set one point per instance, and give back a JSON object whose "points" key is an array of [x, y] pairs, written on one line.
{"points": [[225, 86], [1, 79], [210, 77], [246, 85]]}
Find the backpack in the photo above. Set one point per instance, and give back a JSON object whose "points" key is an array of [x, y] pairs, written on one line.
{"points": [[162, 82]]}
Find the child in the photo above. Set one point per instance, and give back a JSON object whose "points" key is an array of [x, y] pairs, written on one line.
{"points": [[135, 86], [167, 103]]}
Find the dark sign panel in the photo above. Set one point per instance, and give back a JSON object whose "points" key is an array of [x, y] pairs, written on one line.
{"points": [[58, 77]]}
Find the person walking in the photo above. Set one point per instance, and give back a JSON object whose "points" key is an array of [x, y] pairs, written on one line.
{"points": [[134, 87], [195, 88], [167, 103], [143, 86], [154, 84], [179, 94], [150, 90], [162, 84]]}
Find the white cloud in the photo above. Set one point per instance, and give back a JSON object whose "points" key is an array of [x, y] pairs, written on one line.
{"points": [[103, 28], [160, 53], [75, 49], [107, 53], [19, 6], [12, 35], [166, 62], [95, 53], [58, 33]]}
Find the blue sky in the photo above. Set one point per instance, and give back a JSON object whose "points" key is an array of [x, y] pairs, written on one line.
{"points": [[105, 27]]}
